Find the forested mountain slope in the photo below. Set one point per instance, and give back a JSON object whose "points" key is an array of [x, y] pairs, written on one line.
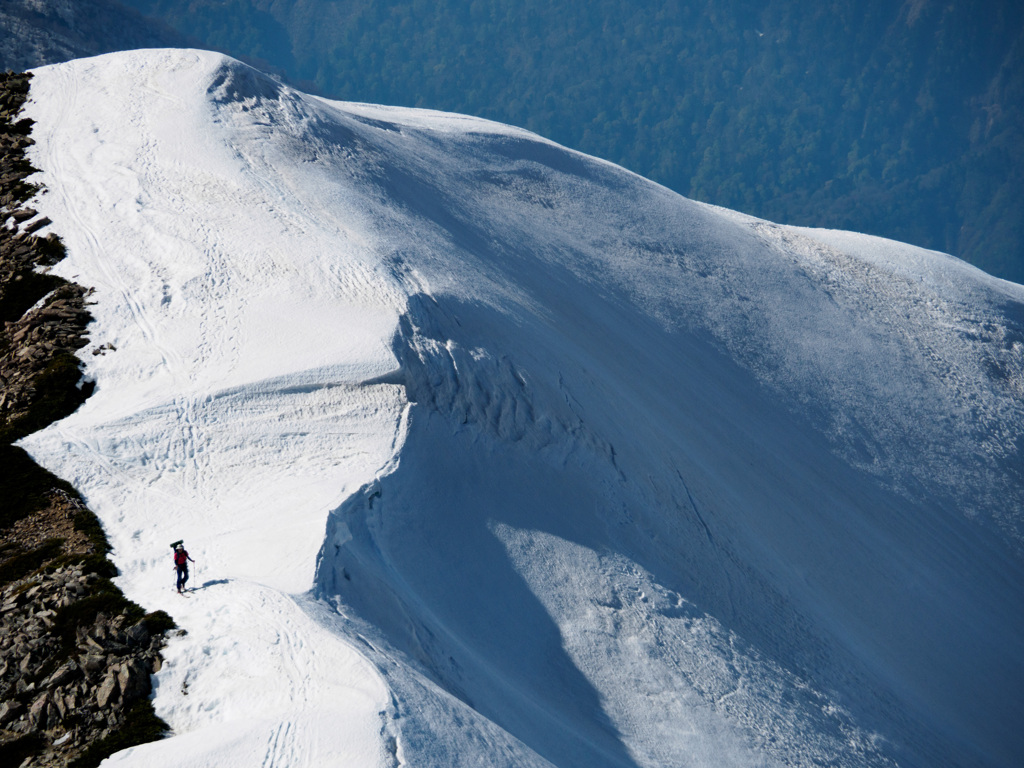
{"points": [[37, 32], [897, 119]]}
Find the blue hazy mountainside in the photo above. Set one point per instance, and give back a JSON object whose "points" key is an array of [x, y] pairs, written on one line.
{"points": [[897, 119], [38, 32]]}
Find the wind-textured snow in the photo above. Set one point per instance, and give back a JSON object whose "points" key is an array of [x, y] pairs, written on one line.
{"points": [[491, 453]]}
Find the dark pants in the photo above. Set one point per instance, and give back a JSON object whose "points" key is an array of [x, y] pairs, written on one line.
{"points": [[182, 576]]}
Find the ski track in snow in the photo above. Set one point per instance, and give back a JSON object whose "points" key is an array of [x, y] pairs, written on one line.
{"points": [[494, 454]]}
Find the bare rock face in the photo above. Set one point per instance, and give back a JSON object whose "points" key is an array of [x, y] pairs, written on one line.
{"points": [[75, 655], [44, 318], [70, 672]]}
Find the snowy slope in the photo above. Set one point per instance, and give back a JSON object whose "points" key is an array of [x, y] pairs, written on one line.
{"points": [[491, 453]]}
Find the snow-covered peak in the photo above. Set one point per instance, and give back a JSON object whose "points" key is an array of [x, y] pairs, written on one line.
{"points": [[493, 453]]}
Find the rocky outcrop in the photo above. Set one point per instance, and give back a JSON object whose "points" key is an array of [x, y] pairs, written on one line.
{"points": [[39, 344], [75, 655], [44, 317], [14, 138]]}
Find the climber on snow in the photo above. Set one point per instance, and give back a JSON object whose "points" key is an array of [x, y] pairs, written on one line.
{"points": [[181, 561]]}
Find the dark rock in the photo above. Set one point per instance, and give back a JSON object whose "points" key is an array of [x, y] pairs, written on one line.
{"points": [[37, 712], [63, 675], [10, 710], [108, 690], [93, 664], [134, 681], [53, 716], [60, 703], [137, 634]]}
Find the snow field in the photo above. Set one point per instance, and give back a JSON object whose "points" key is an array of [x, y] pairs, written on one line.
{"points": [[494, 454], [274, 691], [231, 411]]}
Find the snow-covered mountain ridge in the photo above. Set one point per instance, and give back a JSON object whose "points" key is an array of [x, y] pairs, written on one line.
{"points": [[495, 454]]}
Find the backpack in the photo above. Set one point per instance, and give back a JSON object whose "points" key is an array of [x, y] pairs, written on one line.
{"points": [[180, 557]]}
